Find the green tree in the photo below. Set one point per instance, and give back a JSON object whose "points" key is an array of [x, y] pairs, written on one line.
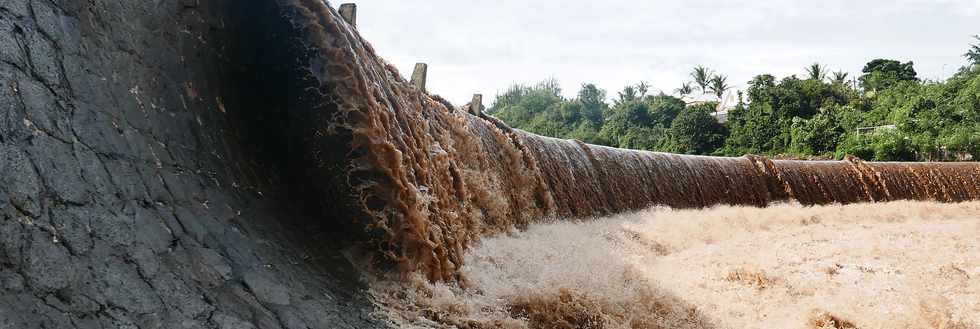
{"points": [[536, 108], [645, 138], [754, 127], [662, 109], [973, 55], [817, 135], [511, 96], [642, 88], [839, 78], [589, 133], [591, 96], [881, 74], [696, 131], [701, 76], [912, 120], [685, 89], [719, 86], [816, 72], [960, 141], [628, 94], [624, 116], [550, 85], [766, 125], [593, 102]]}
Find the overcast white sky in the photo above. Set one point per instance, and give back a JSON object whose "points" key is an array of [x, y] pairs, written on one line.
{"points": [[483, 47]]}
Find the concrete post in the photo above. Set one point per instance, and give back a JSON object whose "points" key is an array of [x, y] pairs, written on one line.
{"points": [[349, 12], [418, 76], [476, 105]]}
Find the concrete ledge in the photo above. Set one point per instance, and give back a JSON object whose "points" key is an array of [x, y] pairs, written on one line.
{"points": [[349, 12], [419, 75]]}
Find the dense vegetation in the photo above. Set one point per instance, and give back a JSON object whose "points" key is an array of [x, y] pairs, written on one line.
{"points": [[887, 113]]}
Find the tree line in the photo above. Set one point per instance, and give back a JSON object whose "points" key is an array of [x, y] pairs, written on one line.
{"points": [[886, 113]]}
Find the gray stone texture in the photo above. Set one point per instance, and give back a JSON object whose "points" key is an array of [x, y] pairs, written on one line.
{"points": [[126, 199]]}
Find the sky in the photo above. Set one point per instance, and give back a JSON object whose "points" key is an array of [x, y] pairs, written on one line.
{"points": [[484, 47]]}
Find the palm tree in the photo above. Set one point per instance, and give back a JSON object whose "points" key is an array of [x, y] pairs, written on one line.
{"points": [[974, 53], [701, 76], [628, 94], [816, 71], [719, 85], [840, 77], [642, 88], [685, 89]]}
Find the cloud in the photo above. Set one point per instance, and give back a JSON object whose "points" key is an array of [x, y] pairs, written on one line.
{"points": [[483, 48]]}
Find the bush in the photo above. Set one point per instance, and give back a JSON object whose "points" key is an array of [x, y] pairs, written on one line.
{"points": [[888, 145], [696, 131]]}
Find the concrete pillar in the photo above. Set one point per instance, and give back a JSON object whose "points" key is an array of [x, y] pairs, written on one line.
{"points": [[349, 12], [476, 105], [418, 76]]}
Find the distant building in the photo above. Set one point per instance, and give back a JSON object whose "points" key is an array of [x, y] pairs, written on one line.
{"points": [[727, 103], [875, 129], [722, 116]]}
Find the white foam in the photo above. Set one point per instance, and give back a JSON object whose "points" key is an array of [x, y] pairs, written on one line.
{"points": [[892, 265]]}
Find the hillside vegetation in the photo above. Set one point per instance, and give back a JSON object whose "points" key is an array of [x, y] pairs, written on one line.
{"points": [[820, 114]]}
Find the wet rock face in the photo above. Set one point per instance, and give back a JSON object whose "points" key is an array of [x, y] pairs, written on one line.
{"points": [[129, 197]]}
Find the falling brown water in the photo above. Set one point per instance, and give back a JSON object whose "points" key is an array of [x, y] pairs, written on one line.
{"points": [[423, 180]]}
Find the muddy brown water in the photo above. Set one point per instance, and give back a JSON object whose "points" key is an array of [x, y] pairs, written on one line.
{"points": [[427, 179]]}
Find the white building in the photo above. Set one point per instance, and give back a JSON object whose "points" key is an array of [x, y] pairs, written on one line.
{"points": [[726, 104]]}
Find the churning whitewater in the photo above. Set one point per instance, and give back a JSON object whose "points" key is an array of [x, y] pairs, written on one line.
{"points": [[430, 191], [893, 265], [417, 180]]}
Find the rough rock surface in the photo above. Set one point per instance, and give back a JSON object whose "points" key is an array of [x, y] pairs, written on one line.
{"points": [[127, 196]]}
